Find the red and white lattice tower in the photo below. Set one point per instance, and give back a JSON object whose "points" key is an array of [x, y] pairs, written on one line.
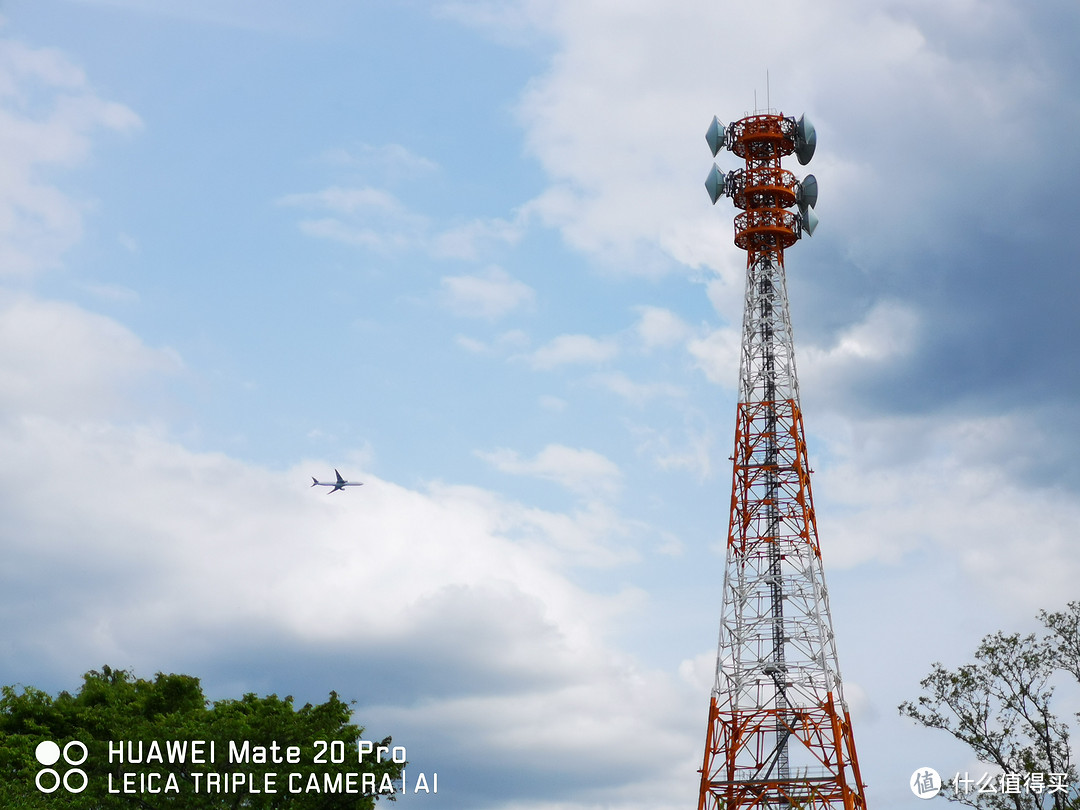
{"points": [[779, 732]]}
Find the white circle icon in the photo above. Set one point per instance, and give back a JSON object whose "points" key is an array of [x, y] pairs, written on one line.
{"points": [[52, 775], [47, 753], [73, 745], [925, 783]]}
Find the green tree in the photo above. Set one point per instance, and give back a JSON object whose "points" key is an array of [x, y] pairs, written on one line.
{"points": [[114, 708], [1000, 707]]}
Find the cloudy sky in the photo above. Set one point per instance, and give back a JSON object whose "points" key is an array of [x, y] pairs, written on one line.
{"points": [[462, 251]]}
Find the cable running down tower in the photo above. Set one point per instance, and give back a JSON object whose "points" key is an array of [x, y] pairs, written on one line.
{"points": [[779, 733]]}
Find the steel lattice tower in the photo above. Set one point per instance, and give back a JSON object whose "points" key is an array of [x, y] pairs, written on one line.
{"points": [[779, 732]]}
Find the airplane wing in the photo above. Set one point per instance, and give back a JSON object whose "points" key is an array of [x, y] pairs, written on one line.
{"points": [[340, 480]]}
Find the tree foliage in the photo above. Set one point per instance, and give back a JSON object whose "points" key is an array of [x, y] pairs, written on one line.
{"points": [[1000, 707], [113, 705]]}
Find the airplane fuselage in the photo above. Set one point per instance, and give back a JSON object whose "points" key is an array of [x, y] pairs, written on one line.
{"points": [[341, 483]]}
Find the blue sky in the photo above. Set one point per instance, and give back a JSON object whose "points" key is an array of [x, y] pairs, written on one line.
{"points": [[462, 251]]}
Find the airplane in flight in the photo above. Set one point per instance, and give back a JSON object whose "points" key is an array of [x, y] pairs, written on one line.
{"points": [[341, 483]]}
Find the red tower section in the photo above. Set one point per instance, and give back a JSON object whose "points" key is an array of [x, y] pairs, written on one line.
{"points": [[779, 731]]}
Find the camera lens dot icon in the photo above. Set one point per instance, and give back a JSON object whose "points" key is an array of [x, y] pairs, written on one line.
{"points": [[49, 780], [47, 753]]}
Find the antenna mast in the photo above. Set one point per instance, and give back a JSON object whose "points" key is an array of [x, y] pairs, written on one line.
{"points": [[779, 734]]}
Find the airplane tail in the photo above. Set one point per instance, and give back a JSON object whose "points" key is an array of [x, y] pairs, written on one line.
{"points": [[316, 480]]}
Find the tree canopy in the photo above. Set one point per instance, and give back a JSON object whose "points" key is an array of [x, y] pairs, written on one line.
{"points": [[307, 755], [1001, 707]]}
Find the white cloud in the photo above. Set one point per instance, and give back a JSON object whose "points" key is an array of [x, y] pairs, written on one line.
{"points": [[717, 354], [689, 448], [589, 733], [364, 217], [510, 341], [660, 328], [266, 17], [111, 292], [609, 123], [617, 122], [128, 243], [937, 486], [573, 349], [699, 671], [346, 200], [203, 541], [490, 295], [165, 551], [376, 239], [471, 240], [374, 218], [584, 472], [20, 63], [888, 334], [58, 359], [163, 548], [47, 115], [637, 392], [471, 344], [391, 159], [727, 290], [508, 23]]}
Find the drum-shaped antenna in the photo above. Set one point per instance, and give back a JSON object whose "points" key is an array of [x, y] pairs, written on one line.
{"points": [[806, 195], [715, 136], [805, 141], [715, 183]]}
